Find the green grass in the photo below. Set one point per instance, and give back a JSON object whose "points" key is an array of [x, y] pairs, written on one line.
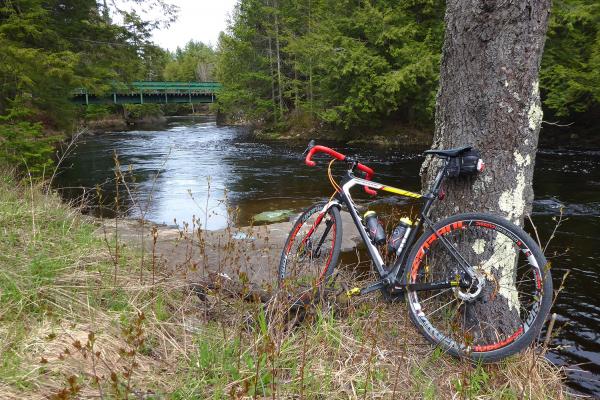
{"points": [[34, 260], [56, 274], [71, 328]]}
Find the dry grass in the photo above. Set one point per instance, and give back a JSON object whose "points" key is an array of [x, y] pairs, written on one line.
{"points": [[79, 320], [370, 350]]}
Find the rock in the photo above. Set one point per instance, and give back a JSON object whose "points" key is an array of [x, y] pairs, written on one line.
{"points": [[273, 216], [242, 236]]}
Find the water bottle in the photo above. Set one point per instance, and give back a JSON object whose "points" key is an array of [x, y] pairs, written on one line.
{"points": [[374, 228], [399, 236]]}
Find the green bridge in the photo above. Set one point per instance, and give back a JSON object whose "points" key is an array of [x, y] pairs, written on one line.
{"points": [[151, 93]]}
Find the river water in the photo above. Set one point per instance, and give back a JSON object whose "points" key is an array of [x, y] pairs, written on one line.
{"points": [[220, 175]]}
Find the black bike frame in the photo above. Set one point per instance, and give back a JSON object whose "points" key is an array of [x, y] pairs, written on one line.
{"points": [[394, 277]]}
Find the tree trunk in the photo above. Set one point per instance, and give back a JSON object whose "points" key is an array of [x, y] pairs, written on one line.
{"points": [[310, 83], [296, 86], [489, 98], [278, 54], [272, 80]]}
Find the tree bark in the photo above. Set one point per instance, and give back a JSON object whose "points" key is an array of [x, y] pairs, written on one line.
{"points": [[489, 98], [272, 79], [310, 72], [279, 80]]}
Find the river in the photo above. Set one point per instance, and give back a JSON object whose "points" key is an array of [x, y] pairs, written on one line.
{"points": [[220, 175]]}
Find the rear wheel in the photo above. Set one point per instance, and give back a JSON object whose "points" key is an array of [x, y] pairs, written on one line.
{"points": [[503, 309], [311, 251]]}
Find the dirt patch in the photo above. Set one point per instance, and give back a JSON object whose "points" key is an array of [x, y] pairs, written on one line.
{"points": [[252, 251]]}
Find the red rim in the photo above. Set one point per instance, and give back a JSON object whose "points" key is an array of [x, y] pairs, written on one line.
{"points": [[308, 234], [461, 225]]}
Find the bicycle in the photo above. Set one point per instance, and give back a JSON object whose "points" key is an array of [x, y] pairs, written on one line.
{"points": [[475, 284]]}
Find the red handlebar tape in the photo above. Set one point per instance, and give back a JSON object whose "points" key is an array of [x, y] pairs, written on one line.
{"points": [[316, 149], [322, 149]]}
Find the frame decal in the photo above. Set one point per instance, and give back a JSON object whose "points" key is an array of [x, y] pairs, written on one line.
{"points": [[379, 186]]}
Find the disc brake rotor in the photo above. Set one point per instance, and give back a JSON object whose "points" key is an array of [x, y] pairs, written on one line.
{"points": [[472, 293]]}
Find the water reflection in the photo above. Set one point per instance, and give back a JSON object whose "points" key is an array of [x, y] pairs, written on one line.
{"points": [[170, 175]]}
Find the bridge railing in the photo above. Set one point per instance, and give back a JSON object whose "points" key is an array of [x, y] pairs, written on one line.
{"points": [[177, 87], [160, 87], [141, 92]]}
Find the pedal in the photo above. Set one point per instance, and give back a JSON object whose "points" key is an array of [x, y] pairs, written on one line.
{"points": [[394, 294], [343, 298]]}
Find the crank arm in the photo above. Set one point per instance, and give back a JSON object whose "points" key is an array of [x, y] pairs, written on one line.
{"points": [[417, 287], [360, 292]]}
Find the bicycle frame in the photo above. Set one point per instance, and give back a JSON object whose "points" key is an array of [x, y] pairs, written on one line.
{"points": [[392, 277], [432, 263]]}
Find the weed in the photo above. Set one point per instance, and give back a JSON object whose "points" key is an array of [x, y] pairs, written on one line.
{"points": [[80, 317]]}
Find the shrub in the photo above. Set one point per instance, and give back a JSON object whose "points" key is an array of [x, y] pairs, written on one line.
{"points": [[24, 145]]}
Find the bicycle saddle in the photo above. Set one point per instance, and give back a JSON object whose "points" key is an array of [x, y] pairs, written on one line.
{"points": [[455, 152]]}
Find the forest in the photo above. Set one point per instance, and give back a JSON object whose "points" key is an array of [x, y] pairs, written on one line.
{"points": [[49, 48], [348, 64], [305, 65]]}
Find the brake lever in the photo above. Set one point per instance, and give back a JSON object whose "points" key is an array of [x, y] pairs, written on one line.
{"points": [[311, 144]]}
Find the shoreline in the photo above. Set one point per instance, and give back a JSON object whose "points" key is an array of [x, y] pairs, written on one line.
{"points": [[403, 135], [389, 136], [127, 117]]}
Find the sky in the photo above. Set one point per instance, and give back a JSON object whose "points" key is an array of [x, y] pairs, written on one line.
{"points": [[200, 20]]}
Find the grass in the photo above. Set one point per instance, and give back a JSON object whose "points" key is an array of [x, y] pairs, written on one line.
{"points": [[71, 328]]}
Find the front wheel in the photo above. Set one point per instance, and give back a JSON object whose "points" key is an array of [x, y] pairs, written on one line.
{"points": [[503, 309], [311, 250]]}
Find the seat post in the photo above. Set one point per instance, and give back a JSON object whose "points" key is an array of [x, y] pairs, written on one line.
{"points": [[435, 188]]}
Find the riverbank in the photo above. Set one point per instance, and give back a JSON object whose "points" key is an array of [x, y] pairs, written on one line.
{"points": [[551, 137], [99, 119], [390, 134], [399, 134], [87, 313]]}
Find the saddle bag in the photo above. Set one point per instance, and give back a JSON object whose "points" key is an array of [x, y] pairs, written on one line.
{"points": [[467, 164]]}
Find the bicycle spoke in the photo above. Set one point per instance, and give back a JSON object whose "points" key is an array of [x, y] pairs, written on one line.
{"points": [[434, 296], [505, 269], [439, 308]]}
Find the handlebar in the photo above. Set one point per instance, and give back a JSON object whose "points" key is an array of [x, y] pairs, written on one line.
{"points": [[322, 149], [312, 149]]}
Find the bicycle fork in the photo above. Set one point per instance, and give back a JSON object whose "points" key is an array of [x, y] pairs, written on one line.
{"points": [[315, 252]]}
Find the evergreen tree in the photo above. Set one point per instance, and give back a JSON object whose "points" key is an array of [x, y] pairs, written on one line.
{"points": [[246, 64], [570, 76], [343, 62], [352, 64], [51, 47], [194, 63]]}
